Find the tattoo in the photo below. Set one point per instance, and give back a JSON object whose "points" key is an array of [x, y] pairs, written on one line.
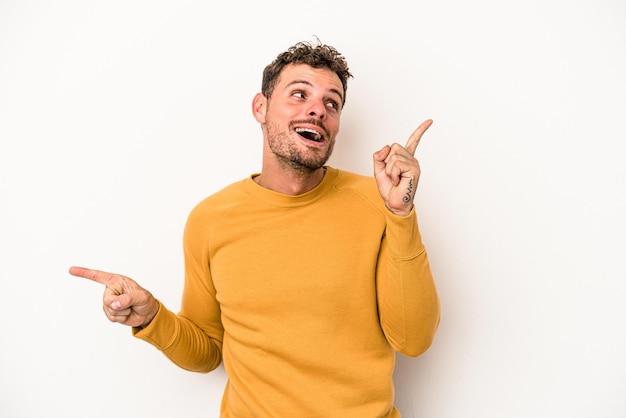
{"points": [[409, 192]]}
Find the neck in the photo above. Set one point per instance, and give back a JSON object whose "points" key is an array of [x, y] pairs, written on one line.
{"points": [[290, 182]]}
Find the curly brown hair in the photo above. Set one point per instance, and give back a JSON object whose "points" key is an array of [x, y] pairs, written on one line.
{"points": [[317, 56]]}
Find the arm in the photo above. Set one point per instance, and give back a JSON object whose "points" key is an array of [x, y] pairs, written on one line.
{"points": [[407, 297], [193, 338], [408, 303]]}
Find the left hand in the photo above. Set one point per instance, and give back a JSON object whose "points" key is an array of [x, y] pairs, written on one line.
{"points": [[397, 172]]}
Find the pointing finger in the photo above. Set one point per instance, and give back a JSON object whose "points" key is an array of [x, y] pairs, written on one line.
{"points": [[95, 275], [415, 137]]}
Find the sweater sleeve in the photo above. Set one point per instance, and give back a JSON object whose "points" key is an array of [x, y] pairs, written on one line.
{"points": [[408, 303], [192, 339]]}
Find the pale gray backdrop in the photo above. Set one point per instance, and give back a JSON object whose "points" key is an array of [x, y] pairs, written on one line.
{"points": [[117, 117]]}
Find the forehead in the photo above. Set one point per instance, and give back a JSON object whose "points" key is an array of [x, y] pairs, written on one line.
{"points": [[319, 78]]}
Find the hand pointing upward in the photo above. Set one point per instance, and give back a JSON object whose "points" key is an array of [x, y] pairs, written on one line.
{"points": [[397, 172]]}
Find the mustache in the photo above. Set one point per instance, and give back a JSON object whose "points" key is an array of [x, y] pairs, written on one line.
{"points": [[315, 122]]}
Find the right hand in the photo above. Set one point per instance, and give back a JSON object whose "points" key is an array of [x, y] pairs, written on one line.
{"points": [[124, 301]]}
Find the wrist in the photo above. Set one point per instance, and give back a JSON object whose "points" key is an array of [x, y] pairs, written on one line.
{"points": [[150, 317], [400, 212]]}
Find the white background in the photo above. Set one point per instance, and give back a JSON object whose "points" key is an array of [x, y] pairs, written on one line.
{"points": [[117, 117]]}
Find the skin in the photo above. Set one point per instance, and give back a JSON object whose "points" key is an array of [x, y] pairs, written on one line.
{"points": [[304, 97], [397, 172]]}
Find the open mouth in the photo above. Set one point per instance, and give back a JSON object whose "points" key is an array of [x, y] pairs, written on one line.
{"points": [[309, 134]]}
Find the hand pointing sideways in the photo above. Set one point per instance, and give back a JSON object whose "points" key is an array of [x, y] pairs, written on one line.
{"points": [[124, 301]]}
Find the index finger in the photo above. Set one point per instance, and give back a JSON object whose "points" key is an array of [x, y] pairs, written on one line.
{"points": [[95, 275], [414, 139]]}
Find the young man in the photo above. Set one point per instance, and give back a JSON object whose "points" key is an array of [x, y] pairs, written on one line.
{"points": [[303, 279]]}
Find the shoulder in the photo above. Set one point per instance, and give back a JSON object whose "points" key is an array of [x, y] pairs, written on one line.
{"points": [[357, 183], [216, 205], [358, 188]]}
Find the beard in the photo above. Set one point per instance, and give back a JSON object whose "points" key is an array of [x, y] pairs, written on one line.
{"points": [[292, 155]]}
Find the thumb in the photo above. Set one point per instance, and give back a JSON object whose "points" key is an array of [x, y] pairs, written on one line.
{"points": [[379, 158], [123, 301]]}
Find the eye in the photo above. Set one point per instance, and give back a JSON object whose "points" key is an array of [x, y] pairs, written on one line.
{"points": [[299, 94], [332, 104]]}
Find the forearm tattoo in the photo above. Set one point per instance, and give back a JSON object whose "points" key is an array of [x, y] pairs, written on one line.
{"points": [[409, 192]]}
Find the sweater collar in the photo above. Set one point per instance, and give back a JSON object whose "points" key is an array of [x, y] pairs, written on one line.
{"points": [[278, 199]]}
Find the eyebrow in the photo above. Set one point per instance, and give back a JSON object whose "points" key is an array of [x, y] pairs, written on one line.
{"points": [[337, 92]]}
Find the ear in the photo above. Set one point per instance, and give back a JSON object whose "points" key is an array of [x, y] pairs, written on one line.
{"points": [[259, 107]]}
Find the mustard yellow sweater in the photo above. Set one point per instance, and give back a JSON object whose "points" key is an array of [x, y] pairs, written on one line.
{"points": [[304, 298]]}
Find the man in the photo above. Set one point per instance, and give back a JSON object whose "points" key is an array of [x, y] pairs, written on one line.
{"points": [[304, 279]]}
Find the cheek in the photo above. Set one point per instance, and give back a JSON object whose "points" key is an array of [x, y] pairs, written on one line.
{"points": [[282, 116], [333, 126]]}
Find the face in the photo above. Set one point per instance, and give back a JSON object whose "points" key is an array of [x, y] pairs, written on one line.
{"points": [[301, 119]]}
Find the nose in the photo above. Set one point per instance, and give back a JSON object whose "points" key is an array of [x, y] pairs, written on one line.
{"points": [[317, 110]]}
